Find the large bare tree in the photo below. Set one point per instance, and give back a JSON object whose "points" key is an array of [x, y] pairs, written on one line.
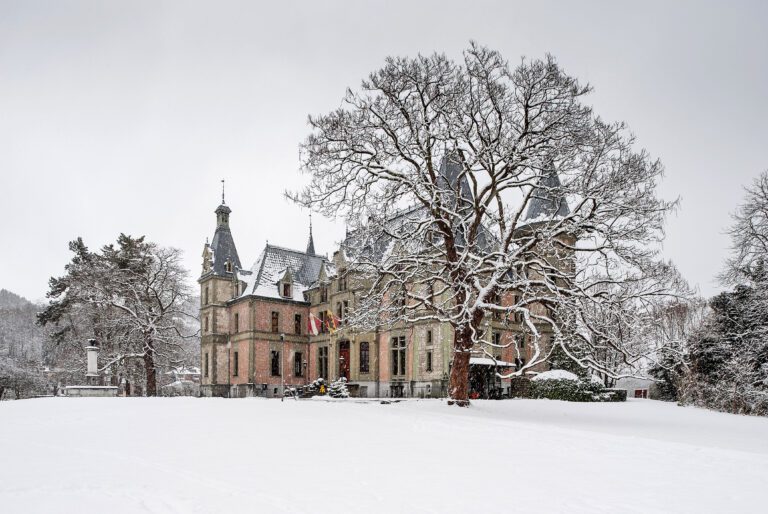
{"points": [[474, 187]]}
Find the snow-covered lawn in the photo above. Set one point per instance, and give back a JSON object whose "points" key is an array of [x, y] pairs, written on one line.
{"points": [[187, 455]]}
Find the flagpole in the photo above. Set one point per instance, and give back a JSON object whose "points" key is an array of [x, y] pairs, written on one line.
{"points": [[282, 367]]}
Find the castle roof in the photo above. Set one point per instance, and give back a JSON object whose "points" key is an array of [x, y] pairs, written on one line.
{"points": [[548, 200], [223, 245], [271, 267], [455, 189]]}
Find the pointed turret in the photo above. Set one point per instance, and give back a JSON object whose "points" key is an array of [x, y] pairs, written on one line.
{"points": [[451, 177], [222, 248], [311, 242], [548, 199]]}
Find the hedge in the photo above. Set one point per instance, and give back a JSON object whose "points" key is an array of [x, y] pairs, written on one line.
{"points": [[574, 391]]}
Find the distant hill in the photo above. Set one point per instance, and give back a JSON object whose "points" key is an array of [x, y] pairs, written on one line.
{"points": [[20, 338], [9, 300]]}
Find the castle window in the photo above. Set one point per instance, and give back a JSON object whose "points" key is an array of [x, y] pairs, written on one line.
{"points": [[297, 370], [275, 322], [297, 324], [398, 356], [207, 296], [551, 314], [323, 327], [429, 361], [365, 357], [343, 280], [206, 324], [401, 299], [339, 311], [494, 299], [322, 362], [518, 315], [497, 338], [275, 361], [323, 294], [237, 322], [287, 290], [228, 266], [345, 305], [205, 365], [235, 364], [429, 338]]}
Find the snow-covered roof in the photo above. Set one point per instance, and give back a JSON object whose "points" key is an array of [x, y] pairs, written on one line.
{"points": [[547, 201], [184, 370], [556, 374], [378, 247], [633, 383], [271, 267], [486, 361]]}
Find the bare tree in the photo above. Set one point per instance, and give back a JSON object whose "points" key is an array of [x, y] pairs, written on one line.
{"points": [[749, 236], [475, 188]]}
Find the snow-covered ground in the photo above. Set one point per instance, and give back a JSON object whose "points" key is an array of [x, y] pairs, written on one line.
{"points": [[187, 455]]}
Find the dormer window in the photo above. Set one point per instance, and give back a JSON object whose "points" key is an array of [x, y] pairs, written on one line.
{"points": [[285, 284], [228, 266]]}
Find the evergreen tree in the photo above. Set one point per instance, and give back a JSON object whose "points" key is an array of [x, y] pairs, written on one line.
{"points": [[132, 297], [338, 388]]}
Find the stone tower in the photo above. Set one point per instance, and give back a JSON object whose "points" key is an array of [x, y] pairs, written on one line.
{"points": [[546, 208], [218, 285]]}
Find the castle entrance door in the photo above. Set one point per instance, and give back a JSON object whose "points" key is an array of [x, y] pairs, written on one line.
{"points": [[344, 359]]}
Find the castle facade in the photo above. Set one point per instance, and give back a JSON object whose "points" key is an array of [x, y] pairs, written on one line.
{"points": [[282, 323]]}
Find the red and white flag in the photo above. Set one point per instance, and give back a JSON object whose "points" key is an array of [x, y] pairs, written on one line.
{"points": [[314, 324]]}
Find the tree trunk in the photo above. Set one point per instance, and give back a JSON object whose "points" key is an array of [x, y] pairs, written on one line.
{"points": [[458, 389], [149, 369]]}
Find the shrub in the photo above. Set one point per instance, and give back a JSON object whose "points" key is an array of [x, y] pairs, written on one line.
{"points": [[562, 385], [617, 395], [338, 388]]}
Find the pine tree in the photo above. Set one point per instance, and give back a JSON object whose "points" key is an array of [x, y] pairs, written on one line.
{"points": [[339, 389]]}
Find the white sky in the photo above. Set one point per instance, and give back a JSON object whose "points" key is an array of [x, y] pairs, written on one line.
{"points": [[124, 116]]}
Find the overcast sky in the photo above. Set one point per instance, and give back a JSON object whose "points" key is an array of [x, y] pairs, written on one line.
{"points": [[124, 116]]}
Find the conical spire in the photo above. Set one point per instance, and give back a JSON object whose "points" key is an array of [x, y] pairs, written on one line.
{"points": [[452, 177], [548, 198], [222, 247], [311, 242]]}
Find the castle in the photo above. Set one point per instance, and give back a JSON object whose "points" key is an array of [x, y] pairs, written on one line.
{"points": [[257, 338]]}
